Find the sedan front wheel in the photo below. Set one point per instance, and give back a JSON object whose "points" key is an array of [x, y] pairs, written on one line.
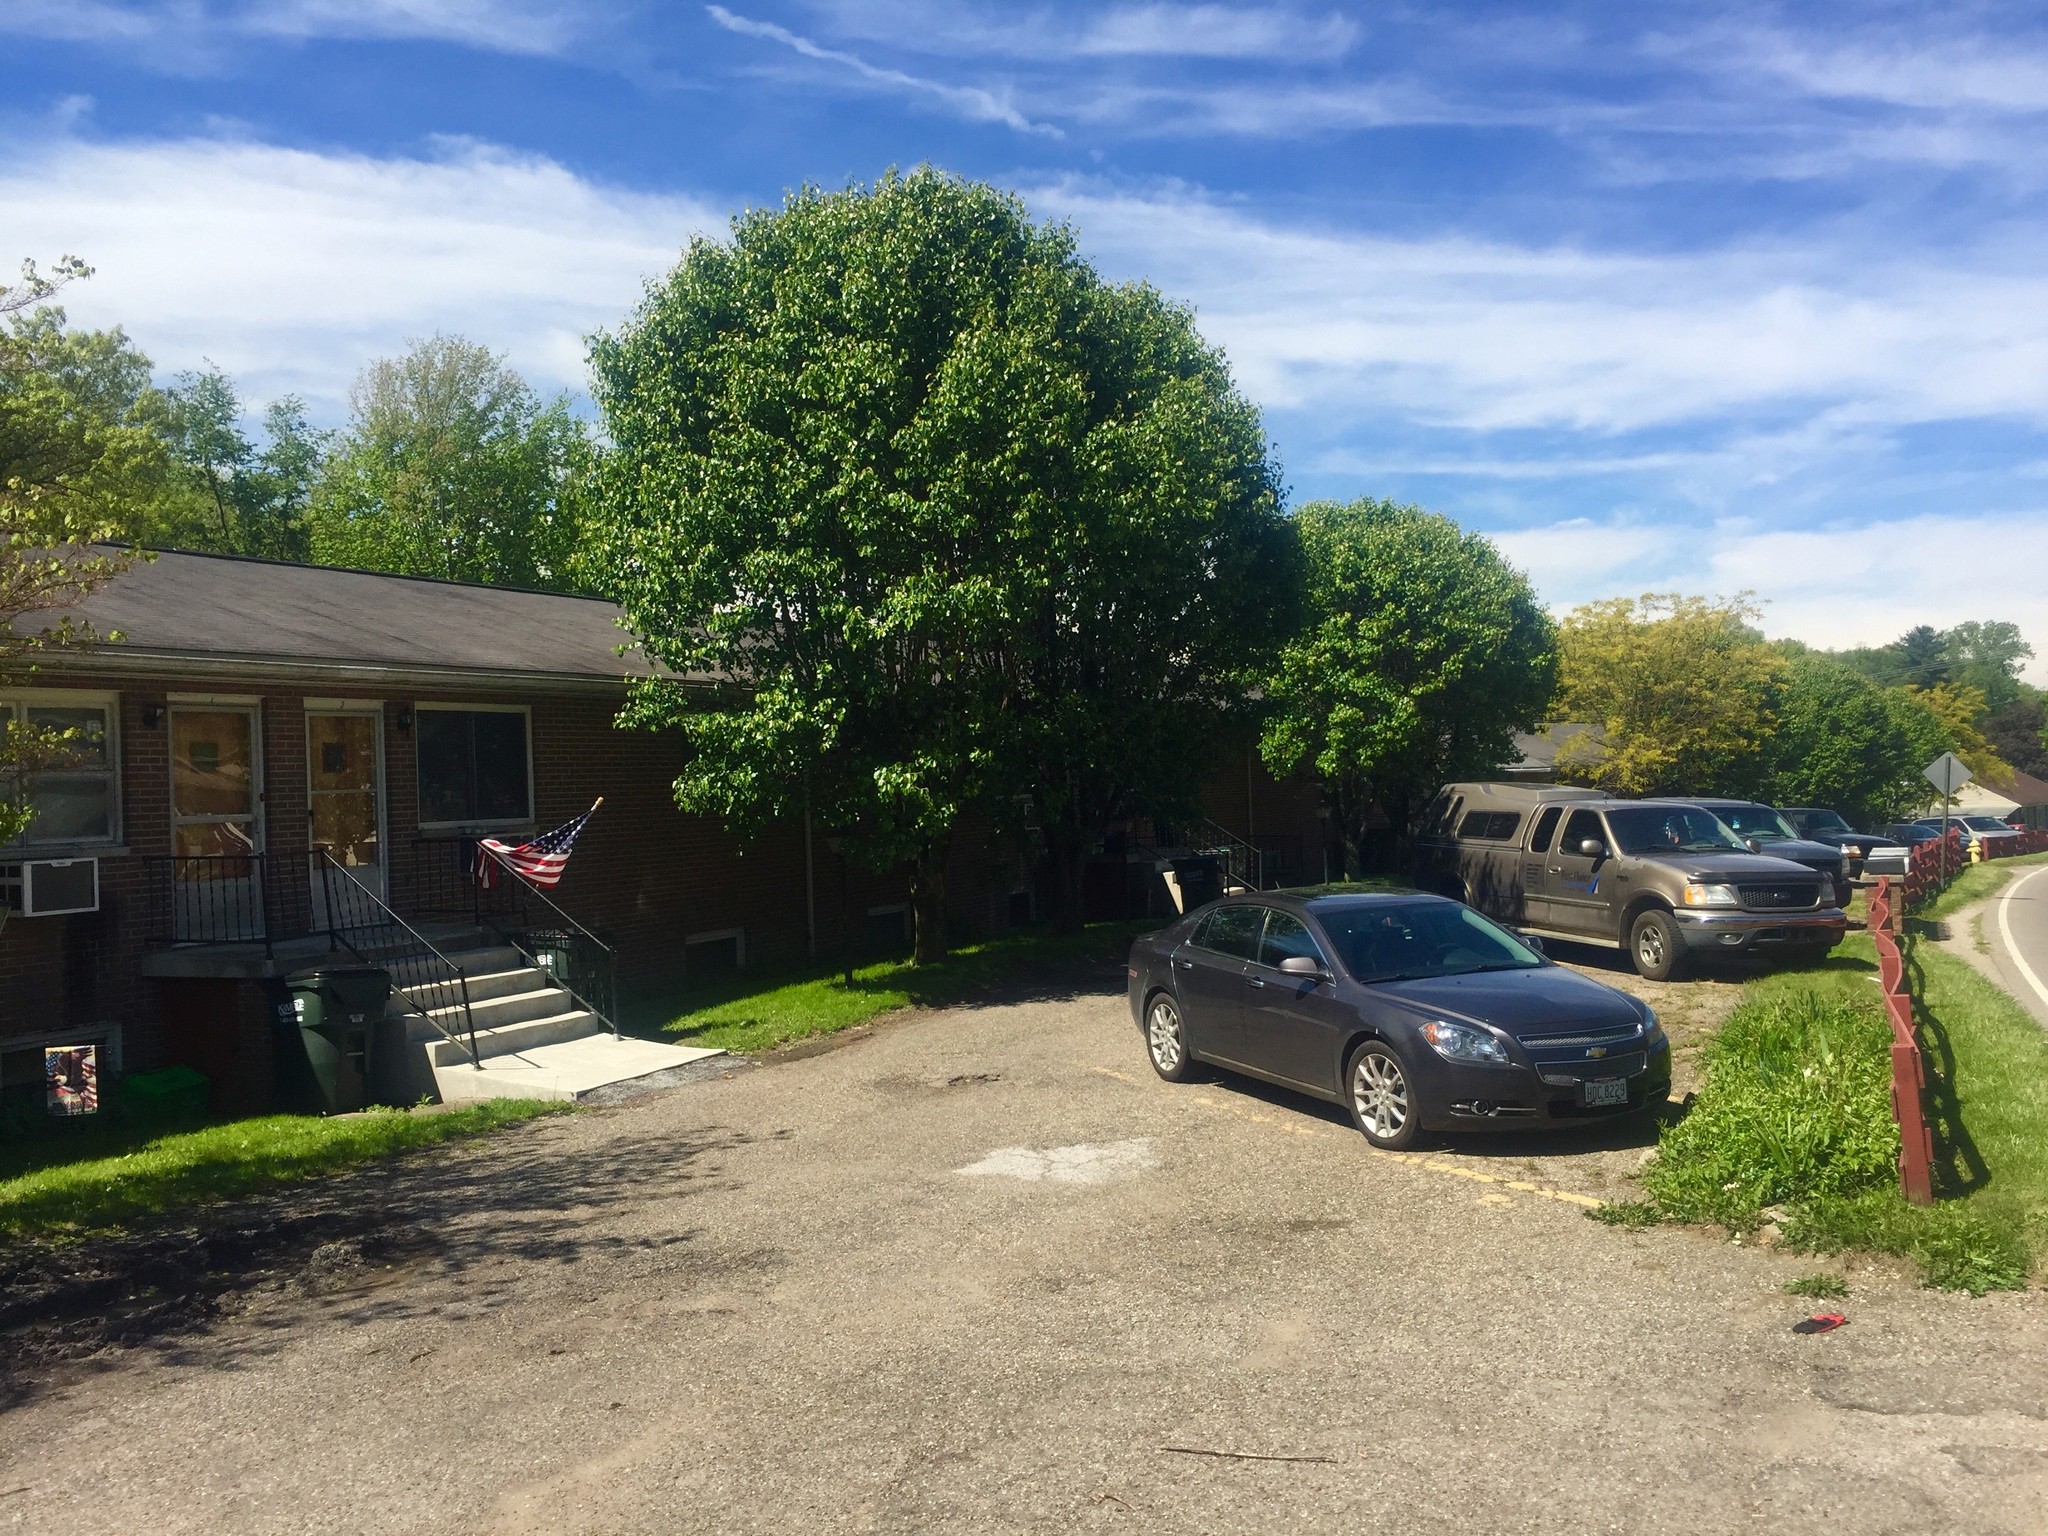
{"points": [[1166, 1041], [1382, 1103]]}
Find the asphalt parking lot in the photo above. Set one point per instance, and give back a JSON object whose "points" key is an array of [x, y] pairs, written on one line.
{"points": [[978, 1270]]}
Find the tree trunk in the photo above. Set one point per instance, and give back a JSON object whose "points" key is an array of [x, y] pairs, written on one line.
{"points": [[928, 904], [1066, 853]]}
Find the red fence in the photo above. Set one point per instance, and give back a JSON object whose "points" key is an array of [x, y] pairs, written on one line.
{"points": [[2030, 840], [1909, 1068]]}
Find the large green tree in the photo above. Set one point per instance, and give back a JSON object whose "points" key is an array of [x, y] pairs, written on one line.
{"points": [[82, 464], [1845, 743], [933, 511], [1421, 654], [452, 466], [1684, 692], [240, 498]]}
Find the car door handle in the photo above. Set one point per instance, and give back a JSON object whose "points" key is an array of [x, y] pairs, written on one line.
{"points": [[1183, 965], [1557, 869], [1255, 981]]}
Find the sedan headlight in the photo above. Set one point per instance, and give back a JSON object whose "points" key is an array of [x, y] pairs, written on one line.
{"points": [[1652, 1030], [1701, 895], [1461, 1042]]}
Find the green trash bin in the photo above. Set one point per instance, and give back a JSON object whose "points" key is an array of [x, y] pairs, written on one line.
{"points": [[173, 1097], [337, 1011]]}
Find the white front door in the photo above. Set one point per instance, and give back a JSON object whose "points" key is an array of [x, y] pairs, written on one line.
{"points": [[345, 795]]}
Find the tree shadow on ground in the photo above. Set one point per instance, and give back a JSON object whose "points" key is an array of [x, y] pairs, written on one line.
{"points": [[529, 1193]]}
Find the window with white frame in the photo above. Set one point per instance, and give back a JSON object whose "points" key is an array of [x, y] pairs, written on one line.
{"points": [[72, 783], [475, 765]]}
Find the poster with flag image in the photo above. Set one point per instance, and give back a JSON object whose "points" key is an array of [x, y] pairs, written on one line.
{"points": [[71, 1079]]}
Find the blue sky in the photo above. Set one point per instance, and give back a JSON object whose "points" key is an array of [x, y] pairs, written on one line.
{"points": [[1676, 296]]}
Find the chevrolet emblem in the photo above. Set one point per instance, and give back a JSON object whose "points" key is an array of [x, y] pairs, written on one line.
{"points": [[1597, 1052]]}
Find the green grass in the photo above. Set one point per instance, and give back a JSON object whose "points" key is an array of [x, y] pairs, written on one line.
{"points": [[64, 1193], [1973, 884], [757, 1013], [1818, 1287], [1796, 1113], [1796, 1107]]}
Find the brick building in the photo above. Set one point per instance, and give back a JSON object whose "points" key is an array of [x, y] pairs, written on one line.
{"points": [[252, 713]]}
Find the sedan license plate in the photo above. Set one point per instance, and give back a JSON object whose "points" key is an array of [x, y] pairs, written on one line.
{"points": [[1603, 1090]]}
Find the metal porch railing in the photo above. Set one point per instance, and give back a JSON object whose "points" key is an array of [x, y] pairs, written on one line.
{"points": [[459, 877], [428, 981]]}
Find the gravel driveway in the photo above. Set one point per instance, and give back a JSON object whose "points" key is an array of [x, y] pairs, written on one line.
{"points": [[979, 1271]]}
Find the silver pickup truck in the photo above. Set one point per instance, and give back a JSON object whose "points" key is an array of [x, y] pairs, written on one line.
{"points": [[1663, 879]]}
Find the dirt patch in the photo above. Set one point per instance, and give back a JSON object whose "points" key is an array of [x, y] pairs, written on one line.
{"points": [[67, 1301]]}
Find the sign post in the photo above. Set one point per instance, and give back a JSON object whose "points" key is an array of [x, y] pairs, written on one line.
{"points": [[1947, 774]]}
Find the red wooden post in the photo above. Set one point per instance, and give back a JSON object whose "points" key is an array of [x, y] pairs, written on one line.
{"points": [[1909, 1067]]}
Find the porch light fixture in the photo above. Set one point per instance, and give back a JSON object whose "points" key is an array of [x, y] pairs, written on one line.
{"points": [[405, 719], [152, 716]]}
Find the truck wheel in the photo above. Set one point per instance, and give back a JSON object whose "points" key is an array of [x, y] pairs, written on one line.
{"points": [[1657, 947]]}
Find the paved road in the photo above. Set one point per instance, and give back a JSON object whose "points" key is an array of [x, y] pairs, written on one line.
{"points": [[2015, 926], [973, 1272]]}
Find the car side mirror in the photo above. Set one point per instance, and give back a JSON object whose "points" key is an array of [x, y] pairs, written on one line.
{"points": [[1301, 965], [1753, 844], [1533, 942], [1592, 848]]}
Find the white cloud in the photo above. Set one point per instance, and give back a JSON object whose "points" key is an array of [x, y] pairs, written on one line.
{"points": [[1836, 586], [969, 101], [291, 269], [1123, 31], [184, 31], [1480, 334]]}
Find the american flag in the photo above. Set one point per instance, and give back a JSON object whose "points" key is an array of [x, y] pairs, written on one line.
{"points": [[540, 861]]}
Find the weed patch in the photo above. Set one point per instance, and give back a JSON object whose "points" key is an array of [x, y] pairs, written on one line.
{"points": [[1797, 1107], [1818, 1287]]}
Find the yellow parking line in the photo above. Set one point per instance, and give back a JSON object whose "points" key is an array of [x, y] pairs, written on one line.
{"points": [[1412, 1159]]}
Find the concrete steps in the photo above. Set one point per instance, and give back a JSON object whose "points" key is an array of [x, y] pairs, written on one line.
{"points": [[535, 1041]]}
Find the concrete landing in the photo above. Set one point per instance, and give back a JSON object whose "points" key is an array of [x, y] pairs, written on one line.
{"points": [[566, 1070]]}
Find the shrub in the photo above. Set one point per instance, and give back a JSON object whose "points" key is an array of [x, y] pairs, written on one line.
{"points": [[1796, 1108]]}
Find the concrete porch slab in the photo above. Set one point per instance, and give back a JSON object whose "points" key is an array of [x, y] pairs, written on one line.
{"points": [[566, 1070]]}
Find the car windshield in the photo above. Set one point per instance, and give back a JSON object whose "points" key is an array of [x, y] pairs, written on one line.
{"points": [[1405, 941], [1671, 829], [1756, 821], [1824, 821]]}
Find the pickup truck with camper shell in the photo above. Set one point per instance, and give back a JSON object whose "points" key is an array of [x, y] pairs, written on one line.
{"points": [[1662, 879]]}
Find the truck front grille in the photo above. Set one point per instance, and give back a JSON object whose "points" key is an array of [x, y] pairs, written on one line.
{"points": [[1779, 898]]}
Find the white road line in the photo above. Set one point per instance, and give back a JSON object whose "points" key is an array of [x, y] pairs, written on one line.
{"points": [[2005, 932]]}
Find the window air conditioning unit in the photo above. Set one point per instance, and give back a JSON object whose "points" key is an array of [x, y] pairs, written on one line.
{"points": [[54, 887]]}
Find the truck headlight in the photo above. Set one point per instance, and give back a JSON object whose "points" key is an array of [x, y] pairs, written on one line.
{"points": [[1701, 895], [1461, 1042]]}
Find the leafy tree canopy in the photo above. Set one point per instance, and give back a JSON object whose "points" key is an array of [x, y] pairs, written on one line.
{"points": [[240, 499], [1421, 654], [451, 466], [939, 505], [1684, 689], [81, 464], [1957, 709], [1845, 743]]}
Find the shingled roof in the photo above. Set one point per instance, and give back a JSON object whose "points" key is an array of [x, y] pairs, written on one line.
{"points": [[187, 613]]}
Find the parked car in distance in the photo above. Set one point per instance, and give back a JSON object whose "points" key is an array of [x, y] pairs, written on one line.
{"points": [[1414, 1012], [1664, 880], [1982, 829], [1818, 825], [1763, 830]]}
